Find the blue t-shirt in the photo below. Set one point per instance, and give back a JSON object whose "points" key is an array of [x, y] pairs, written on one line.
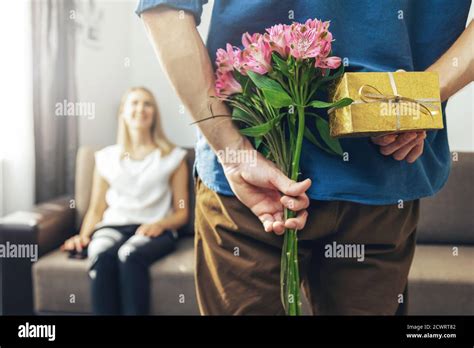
{"points": [[373, 36]]}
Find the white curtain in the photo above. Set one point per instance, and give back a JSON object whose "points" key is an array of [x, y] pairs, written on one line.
{"points": [[16, 120]]}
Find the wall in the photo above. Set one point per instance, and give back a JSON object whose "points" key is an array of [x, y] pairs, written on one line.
{"points": [[123, 59], [102, 75]]}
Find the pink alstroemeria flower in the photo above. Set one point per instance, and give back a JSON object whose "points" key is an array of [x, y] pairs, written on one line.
{"points": [[325, 48], [248, 39], [228, 59], [257, 54], [328, 63], [323, 36], [303, 42], [278, 36], [227, 85]]}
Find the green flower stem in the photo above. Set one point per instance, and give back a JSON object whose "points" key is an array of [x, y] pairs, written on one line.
{"points": [[295, 167], [291, 285]]}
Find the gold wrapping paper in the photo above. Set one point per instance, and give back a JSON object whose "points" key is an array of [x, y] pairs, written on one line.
{"points": [[386, 102]]}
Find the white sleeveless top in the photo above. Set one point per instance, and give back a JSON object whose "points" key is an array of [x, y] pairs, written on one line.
{"points": [[139, 190]]}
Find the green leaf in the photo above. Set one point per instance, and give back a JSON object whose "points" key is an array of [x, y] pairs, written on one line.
{"points": [[239, 77], [312, 139], [323, 129], [308, 73], [277, 99], [281, 64], [328, 78], [264, 82], [243, 80], [258, 141], [272, 90], [334, 76], [265, 151], [260, 129], [240, 115], [318, 104]]}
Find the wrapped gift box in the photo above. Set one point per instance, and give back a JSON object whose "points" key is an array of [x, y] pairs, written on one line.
{"points": [[386, 102]]}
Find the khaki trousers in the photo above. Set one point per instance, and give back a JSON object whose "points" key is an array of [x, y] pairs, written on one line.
{"points": [[238, 263]]}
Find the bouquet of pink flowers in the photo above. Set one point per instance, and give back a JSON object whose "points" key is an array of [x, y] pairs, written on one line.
{"points": [[271, 85]]}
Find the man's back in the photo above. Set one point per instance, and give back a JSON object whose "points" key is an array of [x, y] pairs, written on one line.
{"points": [[369, 36]]}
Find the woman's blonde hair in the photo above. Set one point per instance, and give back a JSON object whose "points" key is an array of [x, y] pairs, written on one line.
{"points": [[157, 135]]}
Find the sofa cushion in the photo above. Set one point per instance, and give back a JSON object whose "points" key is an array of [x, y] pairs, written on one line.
{"points": [[172, 282], [447, 216], [62, 285], [441, 283]]}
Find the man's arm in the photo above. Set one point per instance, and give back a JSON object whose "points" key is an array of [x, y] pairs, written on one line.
{"points": [[456, 66], [186, 62], [456, 70]]}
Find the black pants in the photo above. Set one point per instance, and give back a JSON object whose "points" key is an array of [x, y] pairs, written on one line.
{"points": [[119, 268]]}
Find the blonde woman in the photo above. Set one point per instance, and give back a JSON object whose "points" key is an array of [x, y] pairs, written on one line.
{"points": [[139, 199]]}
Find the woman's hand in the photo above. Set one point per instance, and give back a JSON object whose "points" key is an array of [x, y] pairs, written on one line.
{"points": [[402, 146], [77, 243], [150, 230]]}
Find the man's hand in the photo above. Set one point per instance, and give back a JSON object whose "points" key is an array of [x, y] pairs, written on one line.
{"points": [[266, 191], [452, 78], [150, 230], [402, 146]]}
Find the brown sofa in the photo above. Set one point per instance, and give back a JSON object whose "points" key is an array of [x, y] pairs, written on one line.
{"points": [[56, 284], [439, 282]]}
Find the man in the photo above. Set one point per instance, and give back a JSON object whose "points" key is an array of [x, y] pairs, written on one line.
{"points": [[370, 200]]}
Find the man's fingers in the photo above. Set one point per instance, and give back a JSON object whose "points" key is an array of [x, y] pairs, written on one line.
{"points": [[270, 224], [289, 187], [402, 153], [415, 153], [267, 221], [278, 216], [278, 227], [297, 222], [273, 223], [402, 140], [384, 140], [295, 203]]}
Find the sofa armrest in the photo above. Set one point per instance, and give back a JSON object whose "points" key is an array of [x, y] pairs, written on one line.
{"points": [[51, 222], [44, 228]]}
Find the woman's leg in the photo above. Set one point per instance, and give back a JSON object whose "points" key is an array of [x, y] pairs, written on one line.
{"points": [[102, 253], [135, 257]]}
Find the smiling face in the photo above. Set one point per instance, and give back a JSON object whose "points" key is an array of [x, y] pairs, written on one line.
{"points": [[139, 110]]}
